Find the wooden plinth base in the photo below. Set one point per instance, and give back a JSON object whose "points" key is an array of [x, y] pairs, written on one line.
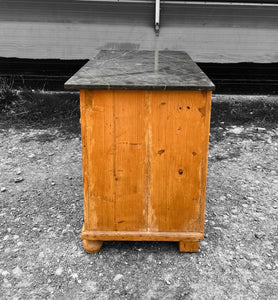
{"points": [[92, 246], [188, 241], [189, 246]]}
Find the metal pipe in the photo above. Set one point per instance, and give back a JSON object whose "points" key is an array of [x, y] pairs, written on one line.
{"points": [[157, 17], [186, 2]]}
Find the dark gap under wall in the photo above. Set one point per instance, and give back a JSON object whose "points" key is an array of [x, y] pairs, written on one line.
{"points": [[51, 74]]}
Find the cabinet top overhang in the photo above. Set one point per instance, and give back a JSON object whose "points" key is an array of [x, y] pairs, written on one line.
{"points": [[140, 70]]}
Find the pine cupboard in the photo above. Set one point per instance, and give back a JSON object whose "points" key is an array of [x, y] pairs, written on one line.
{"points": [[145, 119]]}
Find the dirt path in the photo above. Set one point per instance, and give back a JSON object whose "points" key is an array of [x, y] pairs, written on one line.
{"points": [[41, 254]]}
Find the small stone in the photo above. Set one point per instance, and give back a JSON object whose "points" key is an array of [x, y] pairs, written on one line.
{"points": [[275, 206], [59, 271], [17, 271], [204, 243], [259, 235], [74, 275], [32, 155], [3, 189], [18, 172], [91, 285], [16, 237], [255, 263], [52, 183], [5, 273], [222, 198], [18, 179], [6, 283], [118, 277], [261, 129], [236, 130], [23, 284], [268, 266], [218, 228], [51, 154]]}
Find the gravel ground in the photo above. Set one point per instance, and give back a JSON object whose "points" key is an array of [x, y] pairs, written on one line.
{"points": [[41, 200]]}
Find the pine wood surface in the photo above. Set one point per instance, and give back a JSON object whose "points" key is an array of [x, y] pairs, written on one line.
{"points": [[189, 246], [92, 246], [144, 164], [140, 236]]}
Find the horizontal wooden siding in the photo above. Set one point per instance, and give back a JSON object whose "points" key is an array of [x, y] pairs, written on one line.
{"points": [[68, 29]]}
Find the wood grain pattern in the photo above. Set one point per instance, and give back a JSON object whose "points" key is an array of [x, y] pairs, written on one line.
{"points": [[140, 236], [129, 159], [84, 156], [144, 165], [114, 159], [98, 160], [178, 122], [92, 246], [189, 246], [205, 160]]}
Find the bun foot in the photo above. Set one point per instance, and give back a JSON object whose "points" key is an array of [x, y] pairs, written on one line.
{"points": [[92, 246], [190, 246]]}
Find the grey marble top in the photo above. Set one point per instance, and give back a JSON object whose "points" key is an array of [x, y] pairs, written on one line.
{"points": [[140, 70]]}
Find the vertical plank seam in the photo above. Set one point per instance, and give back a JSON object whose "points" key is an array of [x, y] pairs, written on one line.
{"points": [[148, 162], [114, 160], [168, 96], [205, 162], [202, 168]]}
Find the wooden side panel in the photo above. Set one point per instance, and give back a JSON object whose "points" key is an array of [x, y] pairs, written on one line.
{"points": [[178, 121], [98, 133], [145, 160], [84, 155], [130, 161], [114, 162]]}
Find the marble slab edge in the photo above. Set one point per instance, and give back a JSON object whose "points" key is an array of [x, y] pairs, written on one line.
{"points": [[147, 88]]}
